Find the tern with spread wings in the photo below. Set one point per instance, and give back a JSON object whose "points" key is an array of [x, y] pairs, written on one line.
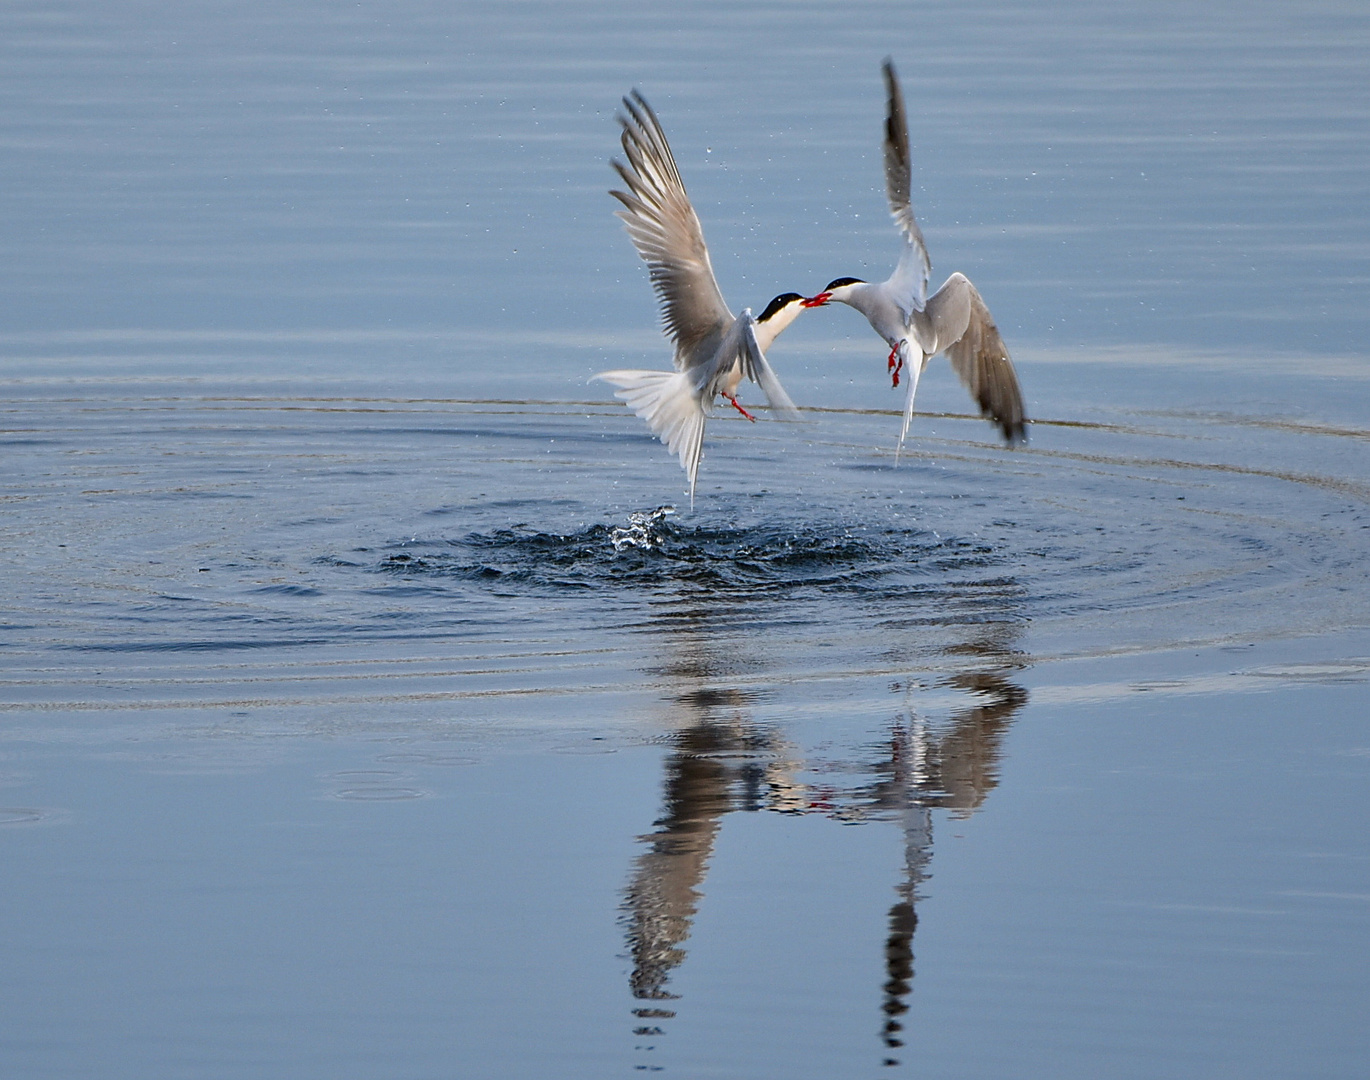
{"points": [[916, 326], [714, 349]]}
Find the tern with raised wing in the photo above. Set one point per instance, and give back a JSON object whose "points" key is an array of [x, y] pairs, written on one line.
{"points": [[916, 326], [714, 349]]}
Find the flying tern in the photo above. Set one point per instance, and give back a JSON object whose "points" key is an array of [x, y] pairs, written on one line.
{"points": [[917, 327], [714, 349]]}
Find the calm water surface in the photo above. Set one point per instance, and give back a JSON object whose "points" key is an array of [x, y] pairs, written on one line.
{"points": [[373, 703]]}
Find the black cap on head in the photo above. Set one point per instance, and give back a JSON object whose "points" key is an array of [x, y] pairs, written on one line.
{"points": [[783, 300], [837, 283]]}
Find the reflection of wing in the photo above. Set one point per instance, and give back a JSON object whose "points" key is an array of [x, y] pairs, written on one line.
{"points": [[667, 233], [968, 754], [664, 894], [718, 760], [958, 322], [909, 282]]}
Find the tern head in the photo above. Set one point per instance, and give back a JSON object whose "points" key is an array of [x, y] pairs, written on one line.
{"points": [[838, 289], [779, 313], [785, 306]]}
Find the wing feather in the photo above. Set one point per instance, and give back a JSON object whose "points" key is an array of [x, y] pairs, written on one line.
{"points": [[757, 368], [666, 232], [909, 282], [671, 405], [981, 360]]}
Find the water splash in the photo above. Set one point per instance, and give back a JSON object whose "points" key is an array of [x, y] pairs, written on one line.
{"points": [[655, 551], [643, 531]]}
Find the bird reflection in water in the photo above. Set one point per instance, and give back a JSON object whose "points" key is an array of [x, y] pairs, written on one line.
{"points": [[722, 761], [952, 767]]}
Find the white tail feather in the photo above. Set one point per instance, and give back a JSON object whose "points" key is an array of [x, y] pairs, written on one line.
{"points": [[667, 400], [913, 371]]}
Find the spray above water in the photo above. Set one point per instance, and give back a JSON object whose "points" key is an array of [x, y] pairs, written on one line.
{"points": [[643, 530]]}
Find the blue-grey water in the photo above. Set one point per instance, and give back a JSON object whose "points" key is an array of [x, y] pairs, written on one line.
{"points": [[373, 703]]}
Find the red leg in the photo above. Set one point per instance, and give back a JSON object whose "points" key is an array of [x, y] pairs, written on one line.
{"points": [[740, 409], [896, 365]]}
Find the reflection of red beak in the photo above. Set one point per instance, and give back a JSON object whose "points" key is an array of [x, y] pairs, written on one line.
{"points": [[817, 301]]}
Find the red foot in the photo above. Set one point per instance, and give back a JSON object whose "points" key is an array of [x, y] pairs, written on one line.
{"points": [[740, 409], [895, 366]]}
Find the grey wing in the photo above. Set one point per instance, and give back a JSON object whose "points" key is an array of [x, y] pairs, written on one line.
{"points": [[664, 228], [964, 328], [757, 368], [909, 282], [739, 346]]}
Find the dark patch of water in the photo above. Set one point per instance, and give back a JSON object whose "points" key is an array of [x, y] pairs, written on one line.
{"points": [[654, 549]]}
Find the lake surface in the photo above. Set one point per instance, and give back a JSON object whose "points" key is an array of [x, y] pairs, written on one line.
{"points": [[374, 703]]}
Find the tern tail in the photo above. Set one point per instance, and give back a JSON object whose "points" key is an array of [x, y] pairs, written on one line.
{"points": [[669, 402]]}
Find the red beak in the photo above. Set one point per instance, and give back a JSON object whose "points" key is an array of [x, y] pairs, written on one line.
{"points": [[817, 301]]}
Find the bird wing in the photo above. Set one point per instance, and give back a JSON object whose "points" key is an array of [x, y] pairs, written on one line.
{"points": [[963, 327], [740, 346], [909, 282], [666, 231], [756, 367]]}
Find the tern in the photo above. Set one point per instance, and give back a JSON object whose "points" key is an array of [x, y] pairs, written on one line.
{"points": [[953, 320], [714, 348]]}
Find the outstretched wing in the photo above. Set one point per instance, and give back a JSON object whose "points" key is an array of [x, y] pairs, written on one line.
{"points": [[909, 282], [963, 326], [667, 233]]}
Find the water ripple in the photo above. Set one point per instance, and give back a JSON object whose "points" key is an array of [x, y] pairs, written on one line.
{"points": [[653, 549]]}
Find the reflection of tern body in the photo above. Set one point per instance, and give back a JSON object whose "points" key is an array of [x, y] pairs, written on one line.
{"points": [[953, 320], [954, 769], [722, 760], [714, 349]]}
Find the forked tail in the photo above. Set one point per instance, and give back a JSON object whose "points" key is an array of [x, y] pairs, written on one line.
{"points": [[669, 403], [914, 369]]}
